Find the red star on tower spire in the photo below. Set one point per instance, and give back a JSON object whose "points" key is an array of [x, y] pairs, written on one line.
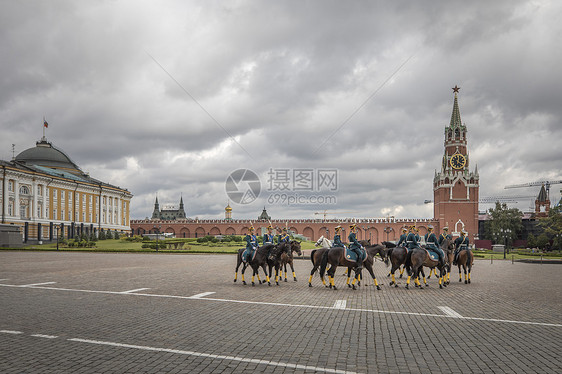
{"points": [[456, 89]]}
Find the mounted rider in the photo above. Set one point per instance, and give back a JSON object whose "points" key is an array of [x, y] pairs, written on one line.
{"points": [[417, 231], [412, 240], [403, 237], [444, 235], [356, 247], [283, 238], [461, 243], [432, 244], [337, 238], [251, 245], [268, 236]]}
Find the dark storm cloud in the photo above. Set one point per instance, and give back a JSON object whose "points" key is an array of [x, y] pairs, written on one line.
{"points": [[168, 98]]}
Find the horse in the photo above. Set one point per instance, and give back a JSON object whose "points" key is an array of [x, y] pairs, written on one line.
{"points": [[316, 258], [336, 257], [258, 260], [465, 259], [287, 258], [398, 257], [391, 245], [447, 246], [274, 259], [417, 259], [323, 242], [372, 251]]}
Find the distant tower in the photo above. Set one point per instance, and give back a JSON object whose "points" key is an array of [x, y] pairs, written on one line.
{"points": [[542, 204], [455, 188], [156, 211], [228, 212], [264, 216], [181, 211]]}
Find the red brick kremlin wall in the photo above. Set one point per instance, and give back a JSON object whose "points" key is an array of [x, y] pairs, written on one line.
{"points": [[378, 230]]}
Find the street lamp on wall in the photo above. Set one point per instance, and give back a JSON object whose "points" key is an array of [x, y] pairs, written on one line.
{"points": [[387, 230]]}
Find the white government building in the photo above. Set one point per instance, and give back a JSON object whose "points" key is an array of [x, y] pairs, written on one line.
{"points": [[45, 194]]}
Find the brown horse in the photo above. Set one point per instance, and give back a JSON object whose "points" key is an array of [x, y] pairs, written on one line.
{"points": [[372, 251], [418, 258], [465, 259], [336, 257], [398, 257], [274, 259], [316, 258], [259, 261], [287, 258]]}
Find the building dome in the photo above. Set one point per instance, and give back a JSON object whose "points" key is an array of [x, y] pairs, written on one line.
{"points": [[45, 154]]}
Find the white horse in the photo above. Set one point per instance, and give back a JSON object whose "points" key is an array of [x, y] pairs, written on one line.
{"points": [[323, 242]]}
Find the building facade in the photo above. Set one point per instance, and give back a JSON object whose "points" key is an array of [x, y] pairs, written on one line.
{"points": [[47, 195], [455, 205]]}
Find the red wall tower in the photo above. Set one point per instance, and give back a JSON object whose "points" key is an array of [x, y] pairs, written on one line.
{"points": [[455, 188]]}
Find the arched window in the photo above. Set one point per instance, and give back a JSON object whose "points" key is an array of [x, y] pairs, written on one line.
{"points": [[24, 190]]}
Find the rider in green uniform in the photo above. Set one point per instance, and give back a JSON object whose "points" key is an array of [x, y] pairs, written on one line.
{"points": [[432, 244], [284, 238], [337, 238], [268, 236], [403, 237], [444, 235], [411, 239], [355, 246], [461, 243], [251, 244]]}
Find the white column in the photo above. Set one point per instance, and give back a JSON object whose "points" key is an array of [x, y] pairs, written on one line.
{"points": [[33, 212], [16, 212], [119, 212]]}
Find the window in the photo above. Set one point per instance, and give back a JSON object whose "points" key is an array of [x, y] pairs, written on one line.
{"points": [[39, 211], [62, 214], [11, 186], [55, 194], [10, 208], [24, 190], [40, 190], [62, 195], [55, 212]]}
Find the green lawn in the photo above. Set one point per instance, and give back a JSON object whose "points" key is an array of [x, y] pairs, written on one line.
{"points": [[191, 246]]}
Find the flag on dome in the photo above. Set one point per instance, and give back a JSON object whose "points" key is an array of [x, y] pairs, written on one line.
{"points": [[45, 123]]}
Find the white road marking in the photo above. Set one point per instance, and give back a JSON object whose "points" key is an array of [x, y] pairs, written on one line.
{"points": [[290, 305], [213, 356], [450, 312], [200, 295], [10, 332], [36, 284], [340, 304], [137, 290], [44, 336]]}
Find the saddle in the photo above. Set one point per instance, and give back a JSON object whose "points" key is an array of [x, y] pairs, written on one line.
{"points": [[432, 255], [246, 254], [350, 255]]}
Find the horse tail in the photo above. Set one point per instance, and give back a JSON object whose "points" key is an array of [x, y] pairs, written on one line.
{"points": [[386, 258], [409, 259], [324, 263], [312, 256]]}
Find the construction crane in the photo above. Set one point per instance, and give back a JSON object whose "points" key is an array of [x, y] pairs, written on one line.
{"points": [[537, 183], [494, 199], [326, 212]]}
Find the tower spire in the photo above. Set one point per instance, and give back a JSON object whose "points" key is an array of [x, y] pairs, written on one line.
{"points": [[456, 115]]}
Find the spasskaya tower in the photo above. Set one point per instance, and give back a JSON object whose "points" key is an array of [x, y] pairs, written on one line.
{"points": [[455, 187]]}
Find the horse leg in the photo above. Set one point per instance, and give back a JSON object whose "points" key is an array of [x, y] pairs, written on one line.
{"points": [[423, 274], [465, 274], [460, 275], [238, 262], [469, 270], [370, 269], [402, 271], [348, 277], [314, 268], [293, 270], [331, 274], [243, 270]]}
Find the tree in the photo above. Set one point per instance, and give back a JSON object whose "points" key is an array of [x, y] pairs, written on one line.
{"points": [[542, 241], [505, 223], [552, 226], [531, 241]]}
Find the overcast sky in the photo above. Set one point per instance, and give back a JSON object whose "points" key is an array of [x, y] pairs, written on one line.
{"points": [[167, 98]]}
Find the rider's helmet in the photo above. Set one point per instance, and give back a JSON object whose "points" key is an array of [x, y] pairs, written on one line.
{"points": [[430, 227], [352, 226], [284, 229], [445, 228], [270, 227], [251, 229], [404, 229], [463, 233], [338, 228]]}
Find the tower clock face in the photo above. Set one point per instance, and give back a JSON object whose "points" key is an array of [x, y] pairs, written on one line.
{"points": [[458, 161]]}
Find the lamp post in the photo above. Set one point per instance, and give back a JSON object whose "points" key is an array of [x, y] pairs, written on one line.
{"points": [[157, 229], [58, 234], [387, 230]]}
